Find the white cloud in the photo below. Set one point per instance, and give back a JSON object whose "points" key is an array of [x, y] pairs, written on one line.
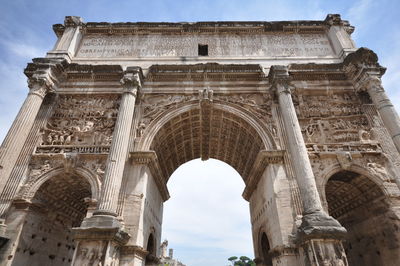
{"points": [[360, 10], [391, 60], [24, 50], [14, 88], [16, 51]]}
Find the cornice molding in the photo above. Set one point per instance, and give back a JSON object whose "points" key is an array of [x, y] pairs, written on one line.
{"points": [[208, 71], [150, 159], [206, 27], [362, 68], [263, 159], [44, 74], [314, 71], [134, 250], [94, 72]]}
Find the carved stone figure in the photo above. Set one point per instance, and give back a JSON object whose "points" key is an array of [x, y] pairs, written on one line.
{"points": [[81, 121]]}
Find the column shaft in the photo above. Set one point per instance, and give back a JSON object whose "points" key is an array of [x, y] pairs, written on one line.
{"points": [[119, 148], [297, 148], [387, 111], [16, 136]]}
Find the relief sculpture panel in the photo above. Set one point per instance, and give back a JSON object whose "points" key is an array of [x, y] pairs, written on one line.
{"points": [[335, 123], [80, 124]]}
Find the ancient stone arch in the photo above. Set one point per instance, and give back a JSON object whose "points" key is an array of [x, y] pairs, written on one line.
{"points": [[115, 108], [365, 209], [45, 216]]}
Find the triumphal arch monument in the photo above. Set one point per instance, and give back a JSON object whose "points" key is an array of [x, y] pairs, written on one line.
{"points": [[114, 108]]}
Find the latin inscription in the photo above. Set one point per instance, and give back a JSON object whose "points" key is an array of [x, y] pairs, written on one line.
{"points": [[272, 45]]}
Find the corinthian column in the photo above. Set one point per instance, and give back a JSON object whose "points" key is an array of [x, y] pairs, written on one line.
{"points": [[315, 220], [363, 69], [119, 147], [373, 86], [40, 83]]}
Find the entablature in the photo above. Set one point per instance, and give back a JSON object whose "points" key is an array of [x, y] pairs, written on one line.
{"points": [[217, 27]]}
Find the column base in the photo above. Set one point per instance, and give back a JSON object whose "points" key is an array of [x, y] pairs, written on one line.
{"points": [[3, 235], [133, 255], [101, 221], [99, 241], [319, 225], [316, 252]]}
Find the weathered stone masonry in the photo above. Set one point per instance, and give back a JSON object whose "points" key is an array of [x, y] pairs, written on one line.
{"points": [[115, 108]]}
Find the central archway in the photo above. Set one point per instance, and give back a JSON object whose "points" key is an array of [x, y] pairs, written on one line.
{"points": [[212, 130], [206, 214], [214, 133]]}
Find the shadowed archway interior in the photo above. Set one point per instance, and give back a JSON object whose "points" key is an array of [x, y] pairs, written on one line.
{"points": [[265, 249], [358, 204], [207, 133], [58, 205]]}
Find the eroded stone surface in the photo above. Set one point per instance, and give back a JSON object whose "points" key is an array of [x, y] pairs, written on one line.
{"points": [[294, 107]]}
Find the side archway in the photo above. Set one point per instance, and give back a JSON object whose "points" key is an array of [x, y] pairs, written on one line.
{"points": [[265, 250], [361, 206], [151, 257], [58, 204], [29, 190]]}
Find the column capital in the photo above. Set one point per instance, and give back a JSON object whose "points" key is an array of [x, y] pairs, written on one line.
{"points": [[132, 80], [143, 157], [362, 65], [150, 159], [280, 79], [368, 81], [44, 74], [40, 85], [73, 21]]}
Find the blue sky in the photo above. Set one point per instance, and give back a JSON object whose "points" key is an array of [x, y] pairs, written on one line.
{"points": [[25, 32]]}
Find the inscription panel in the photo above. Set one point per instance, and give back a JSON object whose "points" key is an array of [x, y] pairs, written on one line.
{"points": [[267, 45]]}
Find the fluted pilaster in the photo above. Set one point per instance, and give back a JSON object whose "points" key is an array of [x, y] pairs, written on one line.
{"points": [[385, 108], [14, 141], [363, 69], [119, 147]]}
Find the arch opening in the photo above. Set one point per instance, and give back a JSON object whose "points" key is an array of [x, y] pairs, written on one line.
{"points": [[57, 206], [265, 249], [206, 214], [359, 205], [151, 249], [218, 134], [208, 131]]}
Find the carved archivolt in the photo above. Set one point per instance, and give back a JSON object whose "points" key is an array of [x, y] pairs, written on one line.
{"points": [[43, 168], [369, 166], [253, 108]]}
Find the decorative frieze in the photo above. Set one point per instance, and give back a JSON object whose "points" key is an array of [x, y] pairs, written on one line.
{"points": [[80, 124]]}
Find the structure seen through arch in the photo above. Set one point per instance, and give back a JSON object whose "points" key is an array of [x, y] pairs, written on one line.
{"points": [[206, 214]]}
